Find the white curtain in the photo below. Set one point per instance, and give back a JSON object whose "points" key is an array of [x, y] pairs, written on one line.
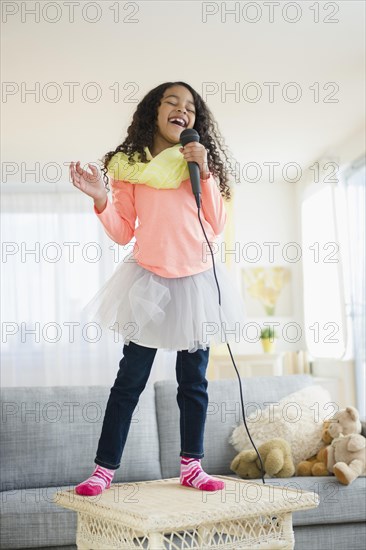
{"points": [[55, 256], [353, 185]]}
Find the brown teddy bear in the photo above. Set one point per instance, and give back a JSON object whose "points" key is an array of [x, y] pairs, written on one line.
{"points": [[317, 464], [346, 421], [346, 457], [276, 457]]}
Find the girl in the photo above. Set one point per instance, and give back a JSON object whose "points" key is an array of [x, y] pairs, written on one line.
{"points": [[165, 296]]}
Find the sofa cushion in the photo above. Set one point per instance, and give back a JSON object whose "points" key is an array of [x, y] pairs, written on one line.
{"points": [[49, 436], [223, 414], [349, 536], [29, 519], [337, 503]]}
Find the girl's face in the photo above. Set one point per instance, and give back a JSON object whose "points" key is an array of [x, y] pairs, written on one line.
{"points": [[175, 113]]}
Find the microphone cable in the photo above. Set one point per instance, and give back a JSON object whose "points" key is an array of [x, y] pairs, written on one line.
{"points": [[231, 355]]}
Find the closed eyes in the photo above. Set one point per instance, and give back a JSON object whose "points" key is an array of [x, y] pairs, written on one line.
{"points": [[189, 110]]}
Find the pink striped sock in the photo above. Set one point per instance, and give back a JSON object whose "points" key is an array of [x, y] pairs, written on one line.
{"points": [[95, 484], [192, 475]]}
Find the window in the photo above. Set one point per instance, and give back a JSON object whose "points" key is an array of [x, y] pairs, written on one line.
{"points": [[324, 305], [333, 235], [55, 257]]}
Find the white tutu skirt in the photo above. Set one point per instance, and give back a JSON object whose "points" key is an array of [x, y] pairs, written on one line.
{"points": [[180, 313]]}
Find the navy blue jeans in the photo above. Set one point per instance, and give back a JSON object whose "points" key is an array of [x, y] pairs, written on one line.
{"points": [[134, 371]]}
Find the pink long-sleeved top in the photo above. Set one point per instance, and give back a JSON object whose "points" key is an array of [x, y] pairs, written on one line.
{"points": [[169, 237]]}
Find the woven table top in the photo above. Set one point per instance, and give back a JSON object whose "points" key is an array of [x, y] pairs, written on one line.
{"points": [[161, 503]]}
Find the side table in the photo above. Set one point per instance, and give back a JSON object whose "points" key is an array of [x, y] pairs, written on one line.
{"points": [[164, 515]]}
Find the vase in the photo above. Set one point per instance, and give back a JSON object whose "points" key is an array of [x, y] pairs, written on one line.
{"points": [[269, 345]]}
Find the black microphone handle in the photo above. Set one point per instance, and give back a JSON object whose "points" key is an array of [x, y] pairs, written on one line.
{"points": [[194, 174], [187, 136]]}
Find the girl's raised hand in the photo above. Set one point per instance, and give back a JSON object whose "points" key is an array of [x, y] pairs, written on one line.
{"points": [[89, 183]]}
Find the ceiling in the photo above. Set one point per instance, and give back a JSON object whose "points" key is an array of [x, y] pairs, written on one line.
{"points": [[174, 41]]}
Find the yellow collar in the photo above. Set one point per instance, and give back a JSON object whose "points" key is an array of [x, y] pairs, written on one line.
{"points": [[164, 171]]}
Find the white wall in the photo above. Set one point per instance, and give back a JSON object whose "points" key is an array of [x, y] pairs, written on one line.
{"points": [[170, 41]]}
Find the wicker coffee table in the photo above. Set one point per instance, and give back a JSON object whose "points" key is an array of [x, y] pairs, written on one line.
{"points": [[164, 515]]}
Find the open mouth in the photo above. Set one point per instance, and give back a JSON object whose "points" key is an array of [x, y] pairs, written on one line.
{"points": [[178, 122]]}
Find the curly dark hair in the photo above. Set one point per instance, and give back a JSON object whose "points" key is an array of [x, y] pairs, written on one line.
{"points": [[142, 129]]}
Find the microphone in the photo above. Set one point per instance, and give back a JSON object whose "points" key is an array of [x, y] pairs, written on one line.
{"points": [[187, 136]]}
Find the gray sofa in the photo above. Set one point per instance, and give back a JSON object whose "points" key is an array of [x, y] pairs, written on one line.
{"points": [[49, 437]]}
